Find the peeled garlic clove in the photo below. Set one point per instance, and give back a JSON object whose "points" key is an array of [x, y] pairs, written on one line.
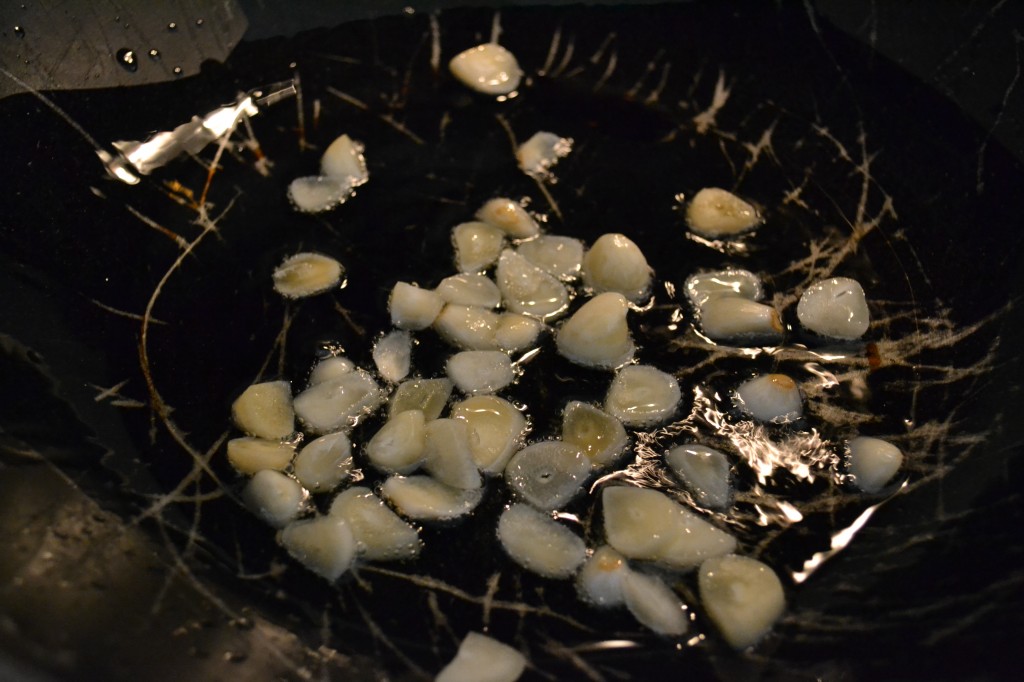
{"points": [[447, 457], [265, 410], [344, 159], [726, 317], [427, 395], [318, 193], [540, 544], [398, 447], [560, 257], [873, 462], [771, 398], [547, 474], [423, 499], [480, 371], [323, 463], [470, 289], [482, 659], [509, 217], [641, 395], [330, 368], [703, 286], [274, 497], [599, 435], [323, 544], [654, 604], [307, 274], [600, 581], [393, 355], [380, 534], [527, 289], [468, 327], [615, 263], [705, 472], [338, 403], [715, 213], [597, 334], [516, 332], [249, 455], [835, 307], [742, 596], [541, 152], [487, 68], [412, 307], [495, 428], [477, 245]]}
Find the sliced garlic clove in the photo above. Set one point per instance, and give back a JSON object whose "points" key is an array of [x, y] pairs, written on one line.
{"points": [[338, 403], [516, 332], [726, 317], [599, 435], [323, 463], [344, 160], [427, 395], [421, 498], [470, 289], [323, 544], [560, 257], [541, 152], [547, 474], [447, 456], [641, 395], [380, 534], [468, 327], [540, 544], [873, 462], [835, 307], [398, 447], [307, 274], [412, 307], [742, 596], [487, 68], [510, 217], [615, 263], [249, 455], [480, 371], [318, 193], [274, 497], [527, 289], [654, 604], [600, 580], [393, 355], [705, 471], [482, 659], [703, 286], [495, 427], [330, 368], [597, 334], [770, 398], [265, 410], [715, 213], [477, 245]]}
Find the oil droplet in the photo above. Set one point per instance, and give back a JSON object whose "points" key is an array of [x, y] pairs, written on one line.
{"points": [[154, 54], [127, 59], [177, 70], [199, 22], [172, 26], [19, 31]]}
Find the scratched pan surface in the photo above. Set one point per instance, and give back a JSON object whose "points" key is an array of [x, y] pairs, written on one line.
{"points": [[131, 322]]}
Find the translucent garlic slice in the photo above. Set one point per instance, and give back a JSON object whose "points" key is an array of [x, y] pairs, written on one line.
{"points": [[835, 307], [705, 471], [338, 403], [323, 544], [477, 245], [516, 332], [412, 307], [274, 497], [330, 368], [615, 263], [654, 604], [421, 498], [560, 257], [380, 534], [527, 289], [344, 159], [702, 286], [873, 462], [447, 457], [488, 68], [480, 371], [495, 427], [468, 327], [540, 544], [265, 410], [599, 435], [323, 463], [307, 274], [770, 398], [715, 213], [547, 474], [641, 395], [726, 317], [393, 355], [318, 193], [510, 217], [427, 395], [482, 659], [541, 152], [398, 447], [249, 455], [600, 580], [597, 334], [470, 289], [742, 596]]}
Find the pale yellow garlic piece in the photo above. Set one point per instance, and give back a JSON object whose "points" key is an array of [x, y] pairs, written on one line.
{"points": [[427, 395], [600, 580], [323, 463], [701, 287], [516, 332], [615, 263], [835, 307], [338, 403], [413, 308], [380, 534], [480, 371], [654, 604], [482, 659], [547, 474], [597, 334], [265, 410], [873, 462], [424, 499], [540, 544], [318, 193], [468, 327], [641, 395], [323, 544], [330, 368], [715, 213], [307, 274], [477, 245], [398, 447], [538, 155], [470, 289], [561, 257], [249, 455], [510, 217], [393, 355], [344, 159], [447, 456], [742, 596], [495, 427], [488, 68], [705, 472], [527, 289], [725, 317], [274, 497], [771, 397], [600, 436]]}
